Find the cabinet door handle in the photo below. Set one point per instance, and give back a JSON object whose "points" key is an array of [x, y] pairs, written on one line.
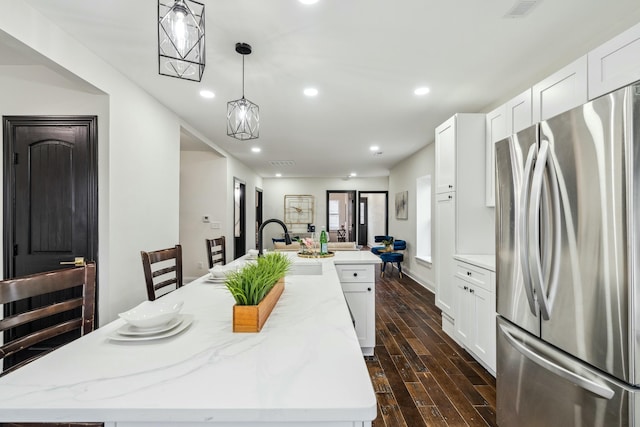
{"points": [[450, 196], [466, 288], [450, 186], [369, 289], [468, 273], [471, 290], [355, 274]]}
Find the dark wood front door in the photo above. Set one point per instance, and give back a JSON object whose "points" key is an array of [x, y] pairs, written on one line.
{"points": [[50, 196], [363, 221], [239, 218], [50, 190]]}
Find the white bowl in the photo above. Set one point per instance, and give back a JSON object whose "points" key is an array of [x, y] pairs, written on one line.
{"points": [[152, 314]]}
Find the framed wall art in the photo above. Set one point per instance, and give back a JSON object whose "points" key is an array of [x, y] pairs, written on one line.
{"points": [[401, 205]]}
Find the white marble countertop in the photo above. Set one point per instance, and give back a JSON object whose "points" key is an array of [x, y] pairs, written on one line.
{"points": [[355, 257], [304, 366], [483, 261]]}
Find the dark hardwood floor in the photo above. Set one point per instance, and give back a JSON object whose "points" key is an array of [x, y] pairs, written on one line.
{"points": [[420, 375]]}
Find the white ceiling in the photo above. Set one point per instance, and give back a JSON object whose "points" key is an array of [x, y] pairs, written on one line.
{"points": [[364, 56]]}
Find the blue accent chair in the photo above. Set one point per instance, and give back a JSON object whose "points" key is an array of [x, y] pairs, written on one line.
{"points": [[378, 239], [397, 257]]}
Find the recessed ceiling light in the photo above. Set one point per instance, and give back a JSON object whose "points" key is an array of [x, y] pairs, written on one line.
{"points": [[207, 94], [308, 1], [311, 91], [352, 174], [256, 149], [421, 91], [278, 175], [374, 148]]}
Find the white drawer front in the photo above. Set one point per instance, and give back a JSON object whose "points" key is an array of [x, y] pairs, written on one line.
{"points": [[474, 275], [355, 273]]}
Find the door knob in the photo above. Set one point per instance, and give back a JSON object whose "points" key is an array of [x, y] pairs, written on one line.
{"points": [[78, 262]]}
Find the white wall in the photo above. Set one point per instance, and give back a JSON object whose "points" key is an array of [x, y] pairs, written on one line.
{"points": [[403, 178], [203, 183], [138, 160], [276, 188]]}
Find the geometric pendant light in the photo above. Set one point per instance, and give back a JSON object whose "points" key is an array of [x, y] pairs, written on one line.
{"points": [[243, 116], [181, 50]]}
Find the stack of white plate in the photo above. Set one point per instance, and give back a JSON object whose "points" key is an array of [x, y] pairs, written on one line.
{"points": [[152, 320]]}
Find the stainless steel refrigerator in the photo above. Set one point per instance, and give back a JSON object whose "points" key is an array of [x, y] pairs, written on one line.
{"points": [[567, 266]]}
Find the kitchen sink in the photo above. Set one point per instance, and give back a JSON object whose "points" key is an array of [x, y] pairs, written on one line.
{"points": [[305, 268]]}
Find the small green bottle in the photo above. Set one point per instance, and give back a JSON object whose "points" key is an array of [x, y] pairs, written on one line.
{"points": [[323, 242]]}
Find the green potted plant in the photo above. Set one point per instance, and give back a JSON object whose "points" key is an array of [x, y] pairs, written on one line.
{"points": [[256, 289]]}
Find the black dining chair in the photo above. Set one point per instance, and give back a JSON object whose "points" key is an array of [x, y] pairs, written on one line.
{"points": [[216, 251], [162, 271], [71, 315], [27, 336]]}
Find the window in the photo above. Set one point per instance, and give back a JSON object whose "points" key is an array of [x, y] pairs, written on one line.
{"points": [[423, 218], [334, 214]]}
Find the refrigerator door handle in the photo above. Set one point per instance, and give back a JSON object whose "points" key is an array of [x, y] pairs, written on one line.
{"points": [[556, 217], [533, 228], [585, 383], [522, 230]]}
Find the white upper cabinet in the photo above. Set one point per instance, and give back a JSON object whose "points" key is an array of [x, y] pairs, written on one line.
{"points": [[615, 64], [561, 91], [496, 129], [518, 111], [446, 156]]}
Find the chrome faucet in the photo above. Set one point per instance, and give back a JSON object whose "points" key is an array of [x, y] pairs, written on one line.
{"points": [[287, 238]]}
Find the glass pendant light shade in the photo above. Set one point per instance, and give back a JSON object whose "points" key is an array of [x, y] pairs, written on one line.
{"points": [[243, 119], [181, 50], [243, 116]]}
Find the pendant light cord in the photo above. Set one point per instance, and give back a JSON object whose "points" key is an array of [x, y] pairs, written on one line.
{"points": [[242, 76]]}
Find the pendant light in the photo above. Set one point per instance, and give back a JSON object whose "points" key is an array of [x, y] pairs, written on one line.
{"points": [[243, 116], [181, 51]]}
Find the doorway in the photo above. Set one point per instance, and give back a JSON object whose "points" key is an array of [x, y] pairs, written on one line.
{"points": [[258, 212], [341, 215], [373, 216], [239, 218], [50, 203]]}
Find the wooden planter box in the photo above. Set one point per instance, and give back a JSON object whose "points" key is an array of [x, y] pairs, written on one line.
{"points": [[251, 318]]}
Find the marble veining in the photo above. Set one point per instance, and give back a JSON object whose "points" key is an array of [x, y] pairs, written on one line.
{"points": [[305, 365]]}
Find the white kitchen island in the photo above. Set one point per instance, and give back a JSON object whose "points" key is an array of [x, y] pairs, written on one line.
{"points": [[304, 368]]}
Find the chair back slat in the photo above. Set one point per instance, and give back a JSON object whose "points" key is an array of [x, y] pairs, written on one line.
{"points": [[151, 271], [31, 340], [216, 251], [28, 329], [39, 313], [41, 283], [164, 271]]}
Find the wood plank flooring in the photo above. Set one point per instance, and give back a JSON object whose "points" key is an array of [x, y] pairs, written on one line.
{"points": [[420, 375]]}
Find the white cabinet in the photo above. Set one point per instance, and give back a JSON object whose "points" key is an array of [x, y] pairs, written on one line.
{"points": [[509, 118], [561, 91], [615, 63], [358, 286], [445, 248], [518, 111], [446, 156], [475, 325], [496, 129], [464, 224]]}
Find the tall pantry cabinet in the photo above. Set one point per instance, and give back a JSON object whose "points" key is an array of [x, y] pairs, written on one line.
{"points": [[464, 225]]}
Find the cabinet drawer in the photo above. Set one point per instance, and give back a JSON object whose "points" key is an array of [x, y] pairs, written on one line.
{"points": [[355, 273], [474, 275]]}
